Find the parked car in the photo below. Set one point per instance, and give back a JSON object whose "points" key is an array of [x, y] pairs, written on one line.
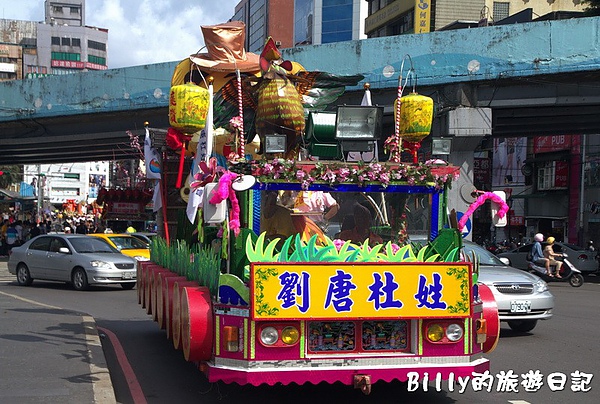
{"points": [[74, 258], [522, 298], [145, 237], [583, 259], [126, 244]]}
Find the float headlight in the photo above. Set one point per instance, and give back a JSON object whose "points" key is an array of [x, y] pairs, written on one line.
{"points": [[269, 335], [454, 332], [290, 335], [435, 332]]}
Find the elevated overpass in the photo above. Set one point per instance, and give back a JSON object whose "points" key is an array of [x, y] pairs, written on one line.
{"points": [[538, 78]]}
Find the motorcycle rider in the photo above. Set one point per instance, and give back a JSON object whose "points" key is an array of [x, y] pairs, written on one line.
{"points": [[537, 255], [550, 254]]}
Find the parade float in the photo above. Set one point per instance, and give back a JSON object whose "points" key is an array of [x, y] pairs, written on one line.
{"points": [[279, 286]]}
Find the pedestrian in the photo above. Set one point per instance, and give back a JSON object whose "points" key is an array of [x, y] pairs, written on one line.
{"points": [[35, 231], [81, 227]]}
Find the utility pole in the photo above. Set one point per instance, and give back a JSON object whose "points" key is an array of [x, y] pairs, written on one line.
{"points": [[39, 193]]}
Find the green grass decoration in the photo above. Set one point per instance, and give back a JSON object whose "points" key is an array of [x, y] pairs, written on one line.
{"points": [[294, 249]]}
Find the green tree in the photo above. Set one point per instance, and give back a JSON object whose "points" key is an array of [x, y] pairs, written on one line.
{"points": [[593, 7], [10, 175]]}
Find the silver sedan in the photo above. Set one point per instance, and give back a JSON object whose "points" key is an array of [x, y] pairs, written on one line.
{"points": [[522, 298], [77, 259]]}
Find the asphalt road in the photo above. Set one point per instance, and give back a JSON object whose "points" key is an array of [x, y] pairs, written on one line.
{"points": [[157, 373]]}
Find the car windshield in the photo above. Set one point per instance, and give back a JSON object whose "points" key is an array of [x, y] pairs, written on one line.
{"points": [[128, 243], [485, 257], [86, 245]]}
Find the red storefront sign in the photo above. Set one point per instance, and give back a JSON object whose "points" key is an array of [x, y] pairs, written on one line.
{"points": [[561, 174], [127, 208], [516, 220], [546, 144]]}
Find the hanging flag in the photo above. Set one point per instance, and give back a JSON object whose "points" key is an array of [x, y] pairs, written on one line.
{"points": [[156, 197], [203, 153], [151, 158]]}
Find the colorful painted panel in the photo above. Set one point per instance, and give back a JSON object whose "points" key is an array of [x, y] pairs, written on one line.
{"points": [[365, 291]]}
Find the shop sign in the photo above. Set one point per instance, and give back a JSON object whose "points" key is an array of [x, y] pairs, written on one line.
{"points": [[482, 171], [517, 220], [547, 144], [561, 174]]}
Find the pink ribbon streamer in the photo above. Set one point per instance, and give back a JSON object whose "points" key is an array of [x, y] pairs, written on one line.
{"points": [[478, 202]]}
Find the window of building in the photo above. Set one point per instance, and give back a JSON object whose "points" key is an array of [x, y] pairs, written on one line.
{"points": [[66, 56], [337, 21], [36, 69], [76, 42], [97, 60], [74, 10], [546, 176], [97, 45], [55, 40], [57, 9], [501, 10], [405, 24], [65, 41]]}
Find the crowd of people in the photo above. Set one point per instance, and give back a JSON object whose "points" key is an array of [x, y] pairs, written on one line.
{"points": [[15, 231]]}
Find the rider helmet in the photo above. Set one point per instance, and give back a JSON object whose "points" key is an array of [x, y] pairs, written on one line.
{"points": [[550, 240], [539, 237]]}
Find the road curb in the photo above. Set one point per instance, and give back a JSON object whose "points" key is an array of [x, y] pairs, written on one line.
{"points": [[102, 385]]}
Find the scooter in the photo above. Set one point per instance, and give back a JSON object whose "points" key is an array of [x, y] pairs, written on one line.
{"points": [[568, 272]]}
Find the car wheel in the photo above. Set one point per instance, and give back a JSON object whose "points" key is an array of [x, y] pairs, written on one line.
{"points": [[23, 276], [79, 279], [522, 325], [128, 285], [576, 280]]}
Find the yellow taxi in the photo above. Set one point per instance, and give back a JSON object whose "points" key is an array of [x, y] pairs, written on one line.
{"points": [[126, 244]]}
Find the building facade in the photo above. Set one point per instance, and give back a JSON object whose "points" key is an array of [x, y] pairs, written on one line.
{"points": [[61, 44], [396, 17], [56, 184], [301, 22]]}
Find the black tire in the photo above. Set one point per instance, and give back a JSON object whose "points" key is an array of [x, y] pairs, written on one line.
{"points": [[576, 280], [23, 276], [79, 279], [522, 325], [128, 285]]}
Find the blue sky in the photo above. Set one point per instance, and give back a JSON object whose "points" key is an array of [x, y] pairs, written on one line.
{"points": [[140, 31]]}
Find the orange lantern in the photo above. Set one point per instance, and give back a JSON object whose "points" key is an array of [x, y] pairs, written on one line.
{"points": [[188, 107]]}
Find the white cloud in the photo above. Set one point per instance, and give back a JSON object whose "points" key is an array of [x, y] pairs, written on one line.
{"points": [[141, 31]]}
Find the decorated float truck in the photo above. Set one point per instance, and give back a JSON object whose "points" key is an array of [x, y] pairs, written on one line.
{"points": [[290, 299], [313, 270]]}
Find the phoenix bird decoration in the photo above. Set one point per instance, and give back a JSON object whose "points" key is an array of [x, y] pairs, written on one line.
{"points": [[278, 100]]}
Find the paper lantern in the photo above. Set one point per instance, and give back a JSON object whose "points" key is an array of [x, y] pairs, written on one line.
{"points": [[416, 115], [188, 107]]}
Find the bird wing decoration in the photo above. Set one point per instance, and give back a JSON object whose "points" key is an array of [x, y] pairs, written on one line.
{"points": [[278, 99]]}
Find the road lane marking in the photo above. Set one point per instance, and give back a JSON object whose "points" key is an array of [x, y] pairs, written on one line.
{"points": [[134, 386], [32, 301]]}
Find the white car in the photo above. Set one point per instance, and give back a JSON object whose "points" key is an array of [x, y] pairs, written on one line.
{"points": [[522, 298], [77, 259]]}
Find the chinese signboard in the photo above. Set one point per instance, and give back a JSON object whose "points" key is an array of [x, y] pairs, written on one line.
{"points": [[366, 290], [422, 16]]}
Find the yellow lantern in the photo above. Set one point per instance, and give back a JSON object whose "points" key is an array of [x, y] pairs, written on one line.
{"points": [[188, 107], [416, 115]]}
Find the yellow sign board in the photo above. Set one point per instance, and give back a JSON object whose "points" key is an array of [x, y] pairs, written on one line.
{"points": [[422, 16], [285, 291]]}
